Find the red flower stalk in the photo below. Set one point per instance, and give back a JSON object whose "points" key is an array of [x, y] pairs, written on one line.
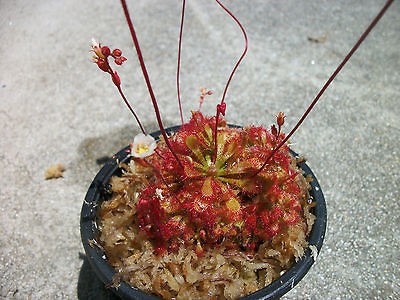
{"points": [[102, 54], [178, 68], [222, 106], [204, 92], [116, 79], [147, 79], [329, 81]]}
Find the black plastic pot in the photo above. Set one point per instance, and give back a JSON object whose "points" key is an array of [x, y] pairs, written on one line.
{"points": [[105, 272]]}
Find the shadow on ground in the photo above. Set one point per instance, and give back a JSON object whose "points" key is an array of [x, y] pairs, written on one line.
{"points": [[95, 151]]}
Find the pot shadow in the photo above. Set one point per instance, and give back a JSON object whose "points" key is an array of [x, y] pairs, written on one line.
{"points": [[89, 286]]}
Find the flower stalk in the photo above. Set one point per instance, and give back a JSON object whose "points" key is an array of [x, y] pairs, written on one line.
{"points": [[329, 81], [178, 68], [221, 108], [102, 54], [147, 79]]}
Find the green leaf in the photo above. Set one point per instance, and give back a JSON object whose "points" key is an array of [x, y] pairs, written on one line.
{"points": [[193, 144]]}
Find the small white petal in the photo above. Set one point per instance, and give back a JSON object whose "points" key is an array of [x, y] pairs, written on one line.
{"points": [[143, 145], [94, 43]]}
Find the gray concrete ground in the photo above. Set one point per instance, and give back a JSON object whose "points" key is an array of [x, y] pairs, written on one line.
{"points": [[56, 106]]}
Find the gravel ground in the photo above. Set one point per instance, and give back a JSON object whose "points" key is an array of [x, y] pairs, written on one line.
{"points": [[57, 107]]}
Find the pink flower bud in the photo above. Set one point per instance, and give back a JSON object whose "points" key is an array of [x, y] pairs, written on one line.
{"points": [[119, 60], [116, 79], [274, 131], [102, 65], [221, 108], [280, 119], [105, 51], [117, 52]]}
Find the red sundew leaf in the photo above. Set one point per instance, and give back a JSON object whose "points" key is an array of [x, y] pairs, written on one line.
{"points": [[224, 201], [291, 217], [258, 136], [198, 122], [192, 142], [192, 169], [167, 167], [276, 213], [292, 187], [160, 247], [274, 229], [230, 150], [150, 214], [295, 205], [231, 209], [251, 222], [246, 185], [175, 227], [178, 142], [275, 193], [265, 218]]}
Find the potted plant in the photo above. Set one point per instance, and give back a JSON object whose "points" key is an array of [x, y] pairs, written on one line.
{"points": [[203, 209]]}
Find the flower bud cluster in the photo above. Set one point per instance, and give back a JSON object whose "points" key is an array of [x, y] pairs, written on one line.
{"points": [[280, 120], [102, 54]]}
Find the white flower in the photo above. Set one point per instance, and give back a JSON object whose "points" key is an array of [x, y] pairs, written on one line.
{"points": [[95, 43], [97, 48], [143, 145]]}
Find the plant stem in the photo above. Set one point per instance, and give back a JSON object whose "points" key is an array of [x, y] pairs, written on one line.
{"points": [[111, 72], [179, 61], [130, 108], [244, 51], [147, 79], [230, 76], [328, 82]]}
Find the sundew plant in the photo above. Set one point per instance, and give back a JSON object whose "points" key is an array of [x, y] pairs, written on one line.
{"points": [[206, 209]]}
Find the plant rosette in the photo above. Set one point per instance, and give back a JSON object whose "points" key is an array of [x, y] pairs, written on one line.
{"points": [[222, 228]]}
